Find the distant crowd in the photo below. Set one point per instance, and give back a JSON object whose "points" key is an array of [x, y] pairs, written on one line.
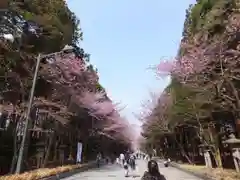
{"points": [[128, 161]]}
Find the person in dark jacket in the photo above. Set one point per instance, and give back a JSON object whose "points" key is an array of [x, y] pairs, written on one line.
{"points": [[132, 162], [150, 156], [153, 172]]}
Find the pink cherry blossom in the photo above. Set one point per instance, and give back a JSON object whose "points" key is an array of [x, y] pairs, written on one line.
{"points": [[114, 127], [88, 99], [71, 76], [103, 108], [164, 68], [193, 61]]}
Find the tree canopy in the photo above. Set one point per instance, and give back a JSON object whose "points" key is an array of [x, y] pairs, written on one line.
{"points": [[68, 99], [205, 76]]}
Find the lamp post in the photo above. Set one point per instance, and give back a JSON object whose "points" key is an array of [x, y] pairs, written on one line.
{"points": [[1, 110], [205, 152], [66, 49]]}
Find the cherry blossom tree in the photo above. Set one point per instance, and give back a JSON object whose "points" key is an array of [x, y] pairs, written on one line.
{"points": [[70, 73], [74, 83], [103, 108], [147, 106], [192, 60], [66, 99], [88, 98], [202, 70], [109, 112]]}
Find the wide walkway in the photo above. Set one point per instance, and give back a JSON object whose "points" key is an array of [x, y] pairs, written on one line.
{"points": [[114, 172]]}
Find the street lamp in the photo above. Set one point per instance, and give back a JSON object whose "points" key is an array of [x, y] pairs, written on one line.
{"points": [[234, 144], [66, 49]]}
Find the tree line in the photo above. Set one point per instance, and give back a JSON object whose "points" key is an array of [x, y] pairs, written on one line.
{"points": [[199, 109], [69, 104]]}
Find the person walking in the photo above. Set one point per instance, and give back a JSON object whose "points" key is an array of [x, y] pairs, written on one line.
{"points": [[153, 172], [99, 158], [118, 161], [122, 159], [112, 157], [150, 156], [127, 156], [126, 168], [154, 152], [132, 163]]}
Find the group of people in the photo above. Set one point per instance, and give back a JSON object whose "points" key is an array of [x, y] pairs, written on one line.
{"points": [[144, 156], [128, 162]]}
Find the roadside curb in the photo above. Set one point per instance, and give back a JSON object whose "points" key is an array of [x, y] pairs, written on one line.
{"points": [[202, 176], [177, 166], [71, 172]]}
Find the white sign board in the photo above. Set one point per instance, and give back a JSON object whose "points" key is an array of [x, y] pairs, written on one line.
{"points": [[79, 152]]}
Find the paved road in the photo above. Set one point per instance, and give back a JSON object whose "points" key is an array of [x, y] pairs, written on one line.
{"points": [[114, 172]]}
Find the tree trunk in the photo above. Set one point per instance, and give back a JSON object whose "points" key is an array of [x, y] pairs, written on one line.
{"points": [[217, 158], [15, 150], [70, 157], [214, 139], [46, 157], [182, 151], [15, 144], [55, 151]]}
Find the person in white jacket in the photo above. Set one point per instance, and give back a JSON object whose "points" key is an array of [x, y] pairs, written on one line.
{"points": [[122, 159], [117, 160]]}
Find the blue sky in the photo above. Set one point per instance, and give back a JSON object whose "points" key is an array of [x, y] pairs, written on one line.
{"points": [[124, 38]]}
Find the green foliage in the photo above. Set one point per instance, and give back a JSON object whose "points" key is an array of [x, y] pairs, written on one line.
{"points": [[100, 87], [206, 15], [60, 25], [58, 102], [200, 95], [181, 109]]}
